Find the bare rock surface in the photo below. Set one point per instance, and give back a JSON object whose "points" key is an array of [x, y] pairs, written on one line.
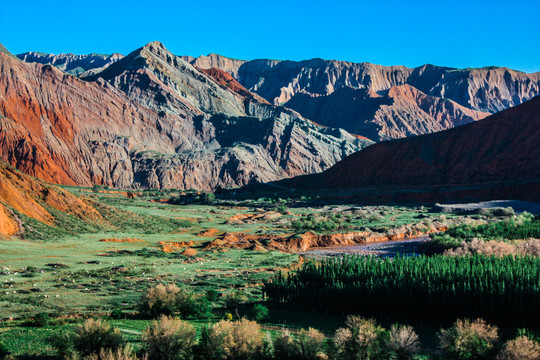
{"points": [[333, 92], [153, 120], [71, 63]]}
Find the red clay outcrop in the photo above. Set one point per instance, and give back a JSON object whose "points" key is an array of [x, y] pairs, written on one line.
{"points": [[8, 225], [28, 196], [308, 240], [171, 246]]}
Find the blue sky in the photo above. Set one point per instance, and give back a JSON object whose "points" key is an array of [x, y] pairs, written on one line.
{"points": [[449, 33]]}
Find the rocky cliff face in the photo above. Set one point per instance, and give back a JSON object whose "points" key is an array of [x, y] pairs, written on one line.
{"points": [[153, 120], [318, 88], [71, 63], [501, 149], [401, 111]]}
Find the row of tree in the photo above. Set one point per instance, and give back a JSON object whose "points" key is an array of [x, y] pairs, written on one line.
{"points": [[360, 339], [437, 288]]}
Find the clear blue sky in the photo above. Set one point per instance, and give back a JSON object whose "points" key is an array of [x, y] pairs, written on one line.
{"points": [[455, 33]]}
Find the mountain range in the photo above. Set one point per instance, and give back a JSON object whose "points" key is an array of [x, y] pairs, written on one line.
{"points": [[158, 120], [153, 120], [378, 102], [498, 156]]}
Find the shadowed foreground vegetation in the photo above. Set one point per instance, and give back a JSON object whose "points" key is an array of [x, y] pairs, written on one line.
{"points": [[437, 288], [171, 338]]}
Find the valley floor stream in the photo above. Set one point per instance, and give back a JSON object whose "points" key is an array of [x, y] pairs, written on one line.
{"points": [[391, 248]]}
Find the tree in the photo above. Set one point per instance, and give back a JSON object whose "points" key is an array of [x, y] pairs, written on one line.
{"points": [[469, 340], [402, 342], [239, 340], [94, 335], [520, 348], [169, 339], [361, 339], [233, 299]]}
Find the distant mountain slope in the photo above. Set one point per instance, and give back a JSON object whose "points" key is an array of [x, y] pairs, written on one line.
{"points": [[316, 88], [502, 148], [156, 121], [401, 111], [71, 63]]}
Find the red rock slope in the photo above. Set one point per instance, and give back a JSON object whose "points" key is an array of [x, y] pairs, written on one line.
{"points": [[31, 197], [504, 147]]}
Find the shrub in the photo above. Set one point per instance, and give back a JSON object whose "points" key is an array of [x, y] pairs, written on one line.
{"points": [[123, 353], [212, 295], [282, 209], [159, 300], [41, 320], [402, 342], [169, 339], [361, 339], [94, 335], [62, 341], [469, 340], [240, 340], [233, 299], [310, 344], [4, 350], [116, 314], [284, 347], [520, 348], [170, 299], [259, 312], [209, 198]]}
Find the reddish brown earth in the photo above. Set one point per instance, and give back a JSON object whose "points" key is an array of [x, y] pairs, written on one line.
{"points": [[189, 252], [303, 242], [171, 246], [8, 225], [499, 150], [51, 120], [225, 79], [28, 196], [208, 232]]}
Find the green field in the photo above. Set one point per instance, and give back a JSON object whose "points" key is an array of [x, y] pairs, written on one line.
{"points": [[67, 272]]}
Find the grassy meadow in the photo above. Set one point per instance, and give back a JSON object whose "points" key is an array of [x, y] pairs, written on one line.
{"points": [[76, 270]]}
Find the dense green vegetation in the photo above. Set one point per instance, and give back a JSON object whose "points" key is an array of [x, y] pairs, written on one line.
{"points": [[522, 227], [438, 288]]}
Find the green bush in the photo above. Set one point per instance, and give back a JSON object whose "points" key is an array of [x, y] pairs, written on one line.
{"points": [[170, 300], [233, 299], [259, 312], [41, 319], [94, 335], [360, 339], [169, 339], [469, 340], [62, 342], [3, 350], [116, 314]]}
